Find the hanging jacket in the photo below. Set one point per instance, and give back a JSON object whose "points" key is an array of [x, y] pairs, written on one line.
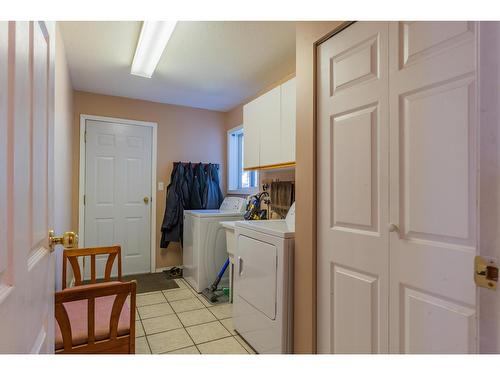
{"points": [[215, 179], [172, 224], [203, 185], [196, 190], [212, 194], [186, 182]]}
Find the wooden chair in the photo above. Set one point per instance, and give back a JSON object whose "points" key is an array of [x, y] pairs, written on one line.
{"points": [[95, 318], [72, 256]]}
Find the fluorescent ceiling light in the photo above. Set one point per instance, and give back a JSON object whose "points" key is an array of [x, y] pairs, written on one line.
{"points": [[152, 41]]}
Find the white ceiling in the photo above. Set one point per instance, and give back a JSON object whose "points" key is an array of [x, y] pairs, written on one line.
{"points": [[212, 65]]}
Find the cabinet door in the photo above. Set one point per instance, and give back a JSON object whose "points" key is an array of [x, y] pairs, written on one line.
{"points": [[251, 131], [288, 98], [270, 127]]}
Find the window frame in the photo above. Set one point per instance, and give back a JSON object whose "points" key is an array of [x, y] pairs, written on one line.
{"points": [[233, 161]]}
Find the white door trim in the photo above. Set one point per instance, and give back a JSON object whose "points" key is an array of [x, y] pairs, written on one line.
{"points": [[81, 189]]}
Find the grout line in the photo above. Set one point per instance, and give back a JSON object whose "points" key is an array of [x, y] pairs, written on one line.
{"points": [[182, 324], [141, 319], [184, 347], [184, 327]]}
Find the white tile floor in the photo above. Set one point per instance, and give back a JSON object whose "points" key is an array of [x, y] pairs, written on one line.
{"points": [[180, 321]]}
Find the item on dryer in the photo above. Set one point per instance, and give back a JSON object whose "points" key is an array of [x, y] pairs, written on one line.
{"points": [[210, 292], [254, 211], [282, 196]]}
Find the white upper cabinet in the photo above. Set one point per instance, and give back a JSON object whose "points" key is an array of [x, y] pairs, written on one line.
{"points": [[269, 127], [251, 131], [288, 99]]}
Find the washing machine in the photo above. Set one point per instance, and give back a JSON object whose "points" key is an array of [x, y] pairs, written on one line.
{"points": [[204, 248], [263, 284]]}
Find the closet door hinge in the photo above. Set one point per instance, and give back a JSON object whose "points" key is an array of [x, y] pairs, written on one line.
{"points": [[84, 196], [85, 137]]}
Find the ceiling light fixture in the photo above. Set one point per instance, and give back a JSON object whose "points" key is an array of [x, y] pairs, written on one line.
{"points": [[152, 41]]}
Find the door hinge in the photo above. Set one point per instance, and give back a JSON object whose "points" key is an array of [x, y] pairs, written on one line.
{"points": [[84, 199], [85, 137], [485, 272]]}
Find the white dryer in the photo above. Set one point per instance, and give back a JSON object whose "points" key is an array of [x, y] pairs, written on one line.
{"points": [[204, 248], [263, 284]]}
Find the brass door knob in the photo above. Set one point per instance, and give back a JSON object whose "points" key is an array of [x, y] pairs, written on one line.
{"points": [[393, 227], [146, 200], [68, 240]]}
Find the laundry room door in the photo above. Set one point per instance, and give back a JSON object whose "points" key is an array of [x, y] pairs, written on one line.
{"points": [[353, 166], [118, 167], [433, 187], [27, 281]]}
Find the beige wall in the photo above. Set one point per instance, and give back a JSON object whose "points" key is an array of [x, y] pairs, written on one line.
{"points": [[63, 156], [184, 134], [307, 35]]}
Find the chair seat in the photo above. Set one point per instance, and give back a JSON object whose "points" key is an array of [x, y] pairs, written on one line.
{"points": [[77, 314]]}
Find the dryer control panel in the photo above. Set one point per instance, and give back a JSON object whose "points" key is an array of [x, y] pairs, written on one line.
{"points": [[234, 204]]}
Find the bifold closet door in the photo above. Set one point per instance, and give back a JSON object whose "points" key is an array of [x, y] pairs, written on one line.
{"points": [[433, 129], [353, 167]]}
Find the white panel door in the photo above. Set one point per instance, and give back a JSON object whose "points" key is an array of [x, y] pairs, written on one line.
{"points": [[288, 116], [27, 282], [433, 187], [353, 251], [117, 180]]}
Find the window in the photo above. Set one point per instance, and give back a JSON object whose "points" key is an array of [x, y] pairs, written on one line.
{"points": [[239, 181]]}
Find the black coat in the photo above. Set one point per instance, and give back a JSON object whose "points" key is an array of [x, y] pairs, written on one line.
{"points": [[212, 194], [196, 202], [171, 227]]}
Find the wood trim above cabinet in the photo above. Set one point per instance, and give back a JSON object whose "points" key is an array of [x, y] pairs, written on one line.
{"points": [[290, 164]]}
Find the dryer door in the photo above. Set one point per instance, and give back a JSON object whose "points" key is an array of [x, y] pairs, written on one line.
{"points": [[256, 273]]}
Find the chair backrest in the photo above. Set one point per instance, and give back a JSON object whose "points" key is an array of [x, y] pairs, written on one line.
{"points": [[72, 256], [114, 344]]}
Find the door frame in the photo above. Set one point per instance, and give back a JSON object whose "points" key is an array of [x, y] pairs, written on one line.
{"points": [[81, 174]]}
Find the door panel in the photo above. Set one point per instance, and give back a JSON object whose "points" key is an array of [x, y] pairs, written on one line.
{"points": [[26, 197], [353, 252], [356, 320], [435, 325], [433, 187], [355, 174], [118, 177], [421, 39]]}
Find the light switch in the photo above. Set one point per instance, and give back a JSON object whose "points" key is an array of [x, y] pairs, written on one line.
{"points": [[161, 186]]}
